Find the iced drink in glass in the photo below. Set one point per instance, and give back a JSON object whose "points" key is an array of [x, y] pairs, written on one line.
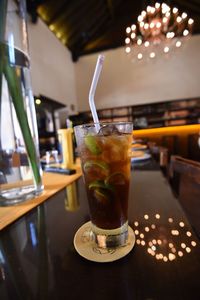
{"points": [[104, 150]]}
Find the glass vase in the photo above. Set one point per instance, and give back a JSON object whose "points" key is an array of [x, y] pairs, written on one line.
{"points": [[20, 169]]}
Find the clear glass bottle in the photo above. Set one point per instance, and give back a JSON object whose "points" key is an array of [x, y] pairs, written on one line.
{"points": [[20, 169]]}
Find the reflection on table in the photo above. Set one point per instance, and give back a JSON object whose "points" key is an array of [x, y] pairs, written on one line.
{"points": [[38, 259]]}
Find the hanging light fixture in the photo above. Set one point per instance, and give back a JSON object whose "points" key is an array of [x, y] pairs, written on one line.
{"points": [[159, 29]]}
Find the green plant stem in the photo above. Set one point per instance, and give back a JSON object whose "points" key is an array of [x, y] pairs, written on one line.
{"points": [[3, 9], [13, 82]]}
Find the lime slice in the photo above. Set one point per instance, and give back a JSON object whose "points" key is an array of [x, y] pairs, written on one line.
{"points": [[96, 170], [92, 145], [116, 178], [100, 184], [101, 195], [97, 163]]}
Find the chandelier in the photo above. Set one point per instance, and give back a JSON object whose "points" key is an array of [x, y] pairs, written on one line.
{"points": [[159, 30]]}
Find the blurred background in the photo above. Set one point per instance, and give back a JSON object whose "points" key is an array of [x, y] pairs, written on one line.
{"points": [[154, 85]]}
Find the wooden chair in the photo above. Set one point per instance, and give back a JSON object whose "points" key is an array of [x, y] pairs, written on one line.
{"points": [[193, 147], [161, 155], [187, 187], [171, 143]]}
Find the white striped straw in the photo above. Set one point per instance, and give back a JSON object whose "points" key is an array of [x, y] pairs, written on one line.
{"points": [[95, 79]]}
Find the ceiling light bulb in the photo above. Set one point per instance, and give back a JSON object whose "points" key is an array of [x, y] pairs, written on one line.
{"points": [[127, 40], [128, 30], [178, 19], [158, 25], [152, 25], [165, 8], [143, 13], [133, 27], [152, 54], [190, 21], [146, 44], [142, 24], [175, 10], [166, 49], [178, 44], [133, 35], [157, 5], [128, 49], [193, 243], [148, 8], [184, 15], [140, 56], [170, 35], [185, 32], [164, 20]]}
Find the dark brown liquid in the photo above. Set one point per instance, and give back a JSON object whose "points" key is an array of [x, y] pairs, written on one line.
{"points": [[111, 213], [107, 181]]}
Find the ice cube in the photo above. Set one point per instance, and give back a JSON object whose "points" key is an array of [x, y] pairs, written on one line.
{"points": [[108, 130]]}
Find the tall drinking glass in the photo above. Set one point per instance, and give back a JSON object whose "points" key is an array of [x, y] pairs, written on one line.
{"points": [[104, 149]]}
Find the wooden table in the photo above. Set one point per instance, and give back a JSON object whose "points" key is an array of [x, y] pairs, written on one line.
{"points": [[38, 259]]}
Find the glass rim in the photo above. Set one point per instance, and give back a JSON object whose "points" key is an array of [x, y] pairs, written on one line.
{"points": [[92, 124]]}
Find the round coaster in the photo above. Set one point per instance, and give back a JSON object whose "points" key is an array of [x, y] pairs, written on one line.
{"points": [[87, 248]]}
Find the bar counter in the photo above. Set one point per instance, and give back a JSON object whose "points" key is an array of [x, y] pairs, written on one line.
{"points": [[38, 259]]}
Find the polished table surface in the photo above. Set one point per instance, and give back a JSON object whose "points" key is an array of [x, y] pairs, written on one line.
{"points": [[38, 259]]}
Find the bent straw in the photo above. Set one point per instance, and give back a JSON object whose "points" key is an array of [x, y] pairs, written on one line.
{"points": [[95, 79]]}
